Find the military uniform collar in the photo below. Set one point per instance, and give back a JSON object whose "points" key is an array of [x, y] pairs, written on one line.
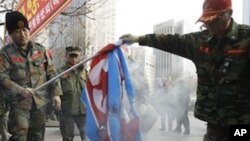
{"points": [[30, 45], [232, 34]]}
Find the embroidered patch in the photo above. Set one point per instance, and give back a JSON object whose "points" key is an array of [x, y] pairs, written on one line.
{"points": [[236, 51], [205, 49], [37, 54], [17, 59]]}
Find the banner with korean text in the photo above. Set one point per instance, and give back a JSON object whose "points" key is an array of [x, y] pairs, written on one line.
{"points": [[41, 12]]}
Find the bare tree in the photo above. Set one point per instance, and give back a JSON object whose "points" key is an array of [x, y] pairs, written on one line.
{"points": [[69, 28], [7, 5]]}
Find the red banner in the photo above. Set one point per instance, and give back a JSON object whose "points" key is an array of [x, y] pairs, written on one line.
{"points": [[41, 12]]}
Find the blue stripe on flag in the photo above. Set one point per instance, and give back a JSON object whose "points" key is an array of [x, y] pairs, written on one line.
{"points": [[114, 97], [90, 120]]}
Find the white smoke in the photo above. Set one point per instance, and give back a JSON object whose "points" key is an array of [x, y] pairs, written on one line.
{"points": [[168, 97]]}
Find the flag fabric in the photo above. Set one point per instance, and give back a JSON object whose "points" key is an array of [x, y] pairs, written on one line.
{"points": [[109, 99]]}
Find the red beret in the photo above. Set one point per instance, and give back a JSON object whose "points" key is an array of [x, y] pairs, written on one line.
{"points": [[213, 8]]}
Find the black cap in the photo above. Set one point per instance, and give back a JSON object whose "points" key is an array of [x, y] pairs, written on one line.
{"points": [[15, 20], [73, 50]]}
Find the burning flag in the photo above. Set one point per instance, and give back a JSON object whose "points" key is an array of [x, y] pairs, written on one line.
{"points": [[105, 94]]}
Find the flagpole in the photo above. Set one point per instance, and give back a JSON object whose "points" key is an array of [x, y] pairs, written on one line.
{"points": [[118, 43], [66, 71]]}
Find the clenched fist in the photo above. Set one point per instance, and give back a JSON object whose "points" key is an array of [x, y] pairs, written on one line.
{"points": [[57, 102], [129, 38], [27, 92]]}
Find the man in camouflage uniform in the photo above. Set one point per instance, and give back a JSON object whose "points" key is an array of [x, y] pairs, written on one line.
{"points": [[73, 110], [222, 57], [25, 65]]}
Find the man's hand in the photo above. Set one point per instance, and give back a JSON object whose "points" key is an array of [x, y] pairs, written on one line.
{"points": [[27, 92], [57, 102], [129, 38]]}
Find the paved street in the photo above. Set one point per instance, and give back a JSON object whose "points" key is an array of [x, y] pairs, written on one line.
{"points": [[198, 128], [197, 131]]}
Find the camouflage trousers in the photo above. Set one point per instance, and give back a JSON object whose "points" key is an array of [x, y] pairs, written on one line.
{"points": [[216, 133], [26, 125], [3, 126], [67, 126]]}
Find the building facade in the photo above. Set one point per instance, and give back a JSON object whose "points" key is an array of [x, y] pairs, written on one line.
{"points": [[246, 12], [168, 65], [86, 24], [100, 24], [159, 66]]}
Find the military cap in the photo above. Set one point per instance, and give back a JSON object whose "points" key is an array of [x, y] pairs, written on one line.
{"points": [[73, 50], [15, 20], [212, 9]]}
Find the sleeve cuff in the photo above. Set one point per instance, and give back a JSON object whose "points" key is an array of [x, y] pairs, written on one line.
{"points": [[142, 40], [14, 87]]}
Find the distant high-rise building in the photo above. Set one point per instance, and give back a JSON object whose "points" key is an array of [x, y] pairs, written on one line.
{"points": [[101, 24], [160, 66], [142, 68], [168, 65], [246, 12]]}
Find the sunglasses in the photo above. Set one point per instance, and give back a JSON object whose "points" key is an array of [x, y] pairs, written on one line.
{"points": [[217, 19]]}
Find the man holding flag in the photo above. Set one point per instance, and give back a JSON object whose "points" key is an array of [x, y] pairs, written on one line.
{"points": [[25, 65]]}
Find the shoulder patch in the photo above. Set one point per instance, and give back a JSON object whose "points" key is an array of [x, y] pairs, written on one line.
{"points": [[243, 31], [245, 27]]}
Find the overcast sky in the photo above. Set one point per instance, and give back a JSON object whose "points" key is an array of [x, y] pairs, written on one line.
{"points": [[139, 16]]}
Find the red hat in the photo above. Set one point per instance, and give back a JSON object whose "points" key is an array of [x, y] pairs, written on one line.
{"points": [[213, 8]]}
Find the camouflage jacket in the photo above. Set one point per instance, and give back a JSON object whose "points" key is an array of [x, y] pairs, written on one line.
{"points": [[223, 69], [72, 86], [4, 103], [20, 69]]}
